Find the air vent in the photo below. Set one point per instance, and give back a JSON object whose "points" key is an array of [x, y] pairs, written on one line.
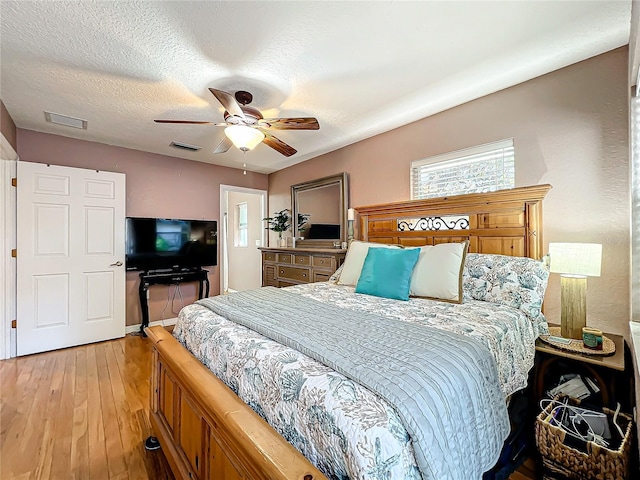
{"points": [[185, 146], [65, 120]]}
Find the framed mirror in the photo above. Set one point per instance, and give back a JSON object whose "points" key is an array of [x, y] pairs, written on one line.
{"points": [[320, 206]]}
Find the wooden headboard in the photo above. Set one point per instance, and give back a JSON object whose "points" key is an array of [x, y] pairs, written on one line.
{"points": [[506, 222]]}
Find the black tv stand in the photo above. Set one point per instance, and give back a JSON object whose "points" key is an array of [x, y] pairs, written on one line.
{"points": [[172, 276]]}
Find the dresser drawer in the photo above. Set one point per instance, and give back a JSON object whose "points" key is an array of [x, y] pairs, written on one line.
{"points": [[302, 259], [321, 276], [324, 262], [294, 273], [269, 276], [268, 257], [285, 258]]}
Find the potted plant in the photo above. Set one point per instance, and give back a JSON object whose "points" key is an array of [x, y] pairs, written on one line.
{"points": [[302, 223], [280, 222]]}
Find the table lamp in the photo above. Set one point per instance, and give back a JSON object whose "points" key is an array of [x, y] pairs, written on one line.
{"points": [[351, 216], [574, 262]]}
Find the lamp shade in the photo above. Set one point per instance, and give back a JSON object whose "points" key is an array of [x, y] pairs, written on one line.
{"points": [[243, 137], [582, 259]]}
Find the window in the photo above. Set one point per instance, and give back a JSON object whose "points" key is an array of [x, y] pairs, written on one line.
{"points": [[485, 168], [242, 226]]}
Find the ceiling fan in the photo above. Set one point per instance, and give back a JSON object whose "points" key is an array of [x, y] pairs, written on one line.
{"points": [[246, 127]]}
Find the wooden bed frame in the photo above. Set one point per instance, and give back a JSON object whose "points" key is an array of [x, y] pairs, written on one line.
{"points": [[207, 432]]}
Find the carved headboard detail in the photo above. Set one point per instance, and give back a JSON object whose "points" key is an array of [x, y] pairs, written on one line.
{"points": [[506, 222]]}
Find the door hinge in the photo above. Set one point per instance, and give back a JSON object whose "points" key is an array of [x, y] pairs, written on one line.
{"points": [[14, 252], [14, 182], [14, 324]]}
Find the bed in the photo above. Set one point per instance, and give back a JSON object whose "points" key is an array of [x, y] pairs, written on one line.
{"points": [[215, 426]]}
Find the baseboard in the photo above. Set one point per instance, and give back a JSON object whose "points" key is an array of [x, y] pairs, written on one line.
{"points": [[166, 322]]}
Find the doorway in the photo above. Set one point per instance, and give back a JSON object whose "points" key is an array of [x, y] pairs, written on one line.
{"points": [[243, 232]]}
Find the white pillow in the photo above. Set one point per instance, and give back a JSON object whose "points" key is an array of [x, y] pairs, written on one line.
{"points": [[354, 261], [438, 273]]}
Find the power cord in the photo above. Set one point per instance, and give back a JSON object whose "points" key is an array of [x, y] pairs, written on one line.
{"points": [[615, 420], [174, 297], [570, 426]]}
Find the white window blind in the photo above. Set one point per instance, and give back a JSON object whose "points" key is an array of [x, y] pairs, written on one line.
{"points": [[485, 168]]}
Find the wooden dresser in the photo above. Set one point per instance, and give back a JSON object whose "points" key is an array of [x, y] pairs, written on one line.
{"points": [[283, 267]]}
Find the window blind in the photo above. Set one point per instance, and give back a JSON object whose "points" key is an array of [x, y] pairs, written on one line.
{"points": [[485, 168]]}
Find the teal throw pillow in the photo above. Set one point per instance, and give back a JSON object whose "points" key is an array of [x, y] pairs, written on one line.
{"points": [[387, 272]]}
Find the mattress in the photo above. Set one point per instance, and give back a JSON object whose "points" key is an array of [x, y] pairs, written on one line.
{"points": [[346, 430]]}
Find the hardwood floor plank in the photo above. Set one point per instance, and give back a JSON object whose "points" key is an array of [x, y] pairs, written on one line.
{"points": [[29, 425], [130, 432], [115, 451], [60, 466], [14, 391], [45, 451], [15, 404], [97, 445], [79, 467]]}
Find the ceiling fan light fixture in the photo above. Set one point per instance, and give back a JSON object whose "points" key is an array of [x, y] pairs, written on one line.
{"points": [[243, 137]]}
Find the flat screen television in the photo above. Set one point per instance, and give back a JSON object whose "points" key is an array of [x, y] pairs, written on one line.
{"points": [[164, 243]]}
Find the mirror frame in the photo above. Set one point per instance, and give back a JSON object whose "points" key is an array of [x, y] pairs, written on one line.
{"points": [[342, 180]]}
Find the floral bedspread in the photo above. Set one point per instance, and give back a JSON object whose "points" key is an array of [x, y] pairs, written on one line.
{"points": [[344, 429]]}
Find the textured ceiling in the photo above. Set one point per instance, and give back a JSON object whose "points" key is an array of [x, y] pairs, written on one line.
{"points": [[361, 68]]}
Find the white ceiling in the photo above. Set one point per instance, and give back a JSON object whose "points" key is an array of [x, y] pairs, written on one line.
{"points": [[361, 68]]}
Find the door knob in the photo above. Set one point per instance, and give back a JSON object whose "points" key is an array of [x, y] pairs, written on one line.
{"points": [[117, 264]]}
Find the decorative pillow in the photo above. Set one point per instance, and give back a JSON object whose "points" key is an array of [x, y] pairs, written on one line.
{"points": [[518, 282], [438, 273], [354, 261], [387, 272]]}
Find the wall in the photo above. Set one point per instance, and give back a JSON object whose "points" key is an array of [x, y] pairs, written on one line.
{"points": [[157, 186], [570, 129], [7, 127], [245, 264]]}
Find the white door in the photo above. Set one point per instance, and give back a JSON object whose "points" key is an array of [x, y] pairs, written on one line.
{"points": [[243, 233], [71, 275]]}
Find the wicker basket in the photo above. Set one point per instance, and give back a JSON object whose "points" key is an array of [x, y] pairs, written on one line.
{"points": [[598, 463]]}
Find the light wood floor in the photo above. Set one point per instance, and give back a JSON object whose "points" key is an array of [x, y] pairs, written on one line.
{"points": [[78, 413], [82, 413]]}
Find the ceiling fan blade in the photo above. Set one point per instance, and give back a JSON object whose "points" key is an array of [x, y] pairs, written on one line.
{"points": [[223, 146], [277, 144], [229, 103], [190, 122], [298, 123]]}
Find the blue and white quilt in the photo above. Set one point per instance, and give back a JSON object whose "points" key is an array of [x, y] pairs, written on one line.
{"points": [[345, 429]]}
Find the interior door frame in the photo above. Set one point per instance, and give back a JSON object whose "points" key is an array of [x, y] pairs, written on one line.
{"points": [[8, 160], [223, 236]]}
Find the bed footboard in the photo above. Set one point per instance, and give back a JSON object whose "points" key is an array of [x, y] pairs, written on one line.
{"points": [[205, 430]]}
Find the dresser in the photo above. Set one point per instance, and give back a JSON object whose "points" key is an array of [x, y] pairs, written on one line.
{"points": [[283, 267]]}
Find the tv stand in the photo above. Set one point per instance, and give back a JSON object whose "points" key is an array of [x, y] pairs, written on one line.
{"points": [[169, 277]]}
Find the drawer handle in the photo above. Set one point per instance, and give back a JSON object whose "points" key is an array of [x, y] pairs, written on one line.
{"points": [[302, 260], [282, 272], [321, 262], [304, 275]]}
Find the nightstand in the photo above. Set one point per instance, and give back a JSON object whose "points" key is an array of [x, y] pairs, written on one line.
{"points": [[607, 371]]}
